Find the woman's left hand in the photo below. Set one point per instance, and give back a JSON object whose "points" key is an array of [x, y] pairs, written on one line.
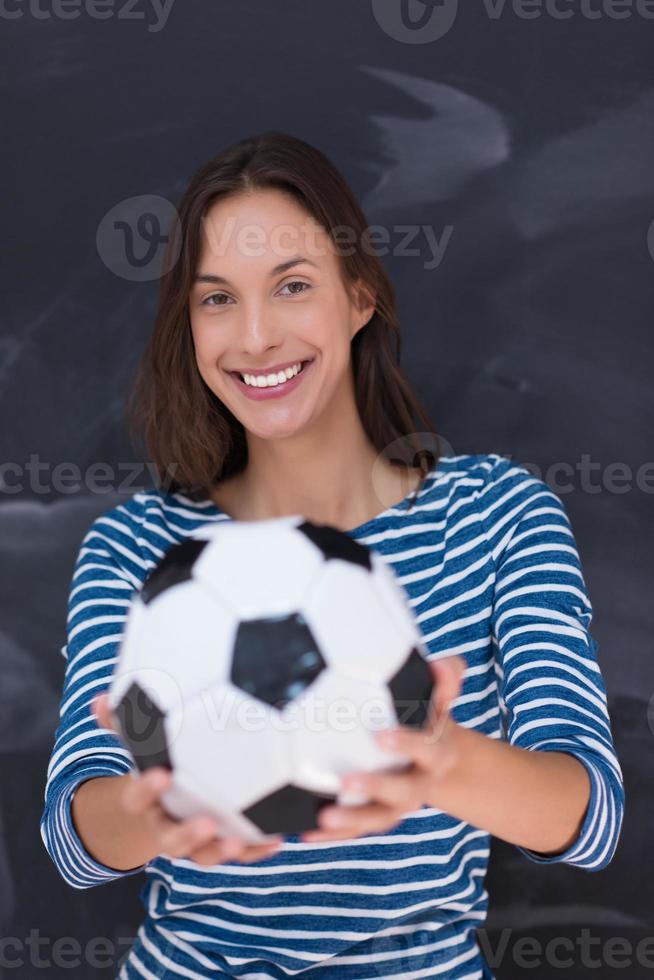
{"points": [[433, 752]]}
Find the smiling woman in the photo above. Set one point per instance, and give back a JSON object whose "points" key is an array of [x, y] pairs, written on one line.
{"points": [[271, 385], [275, 272]]}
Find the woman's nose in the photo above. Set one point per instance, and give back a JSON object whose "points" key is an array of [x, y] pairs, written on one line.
{"points": [[258, 333]]}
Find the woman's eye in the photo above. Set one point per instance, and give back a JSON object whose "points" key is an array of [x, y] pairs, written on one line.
{"points": [[205, 301], [297, 282]]}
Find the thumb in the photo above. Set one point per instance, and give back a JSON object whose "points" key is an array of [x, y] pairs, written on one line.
{"points": [[448, 679], [101, 710]]}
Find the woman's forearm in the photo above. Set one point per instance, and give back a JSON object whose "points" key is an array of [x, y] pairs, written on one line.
{"points": [[537, 800], [534, 799], [110, 835]]}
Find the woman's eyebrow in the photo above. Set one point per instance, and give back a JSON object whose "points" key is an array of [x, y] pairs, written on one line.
{"points": [[278, 269]]}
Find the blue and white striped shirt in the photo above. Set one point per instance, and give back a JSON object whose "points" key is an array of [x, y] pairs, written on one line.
{"points": [[489, 563]]}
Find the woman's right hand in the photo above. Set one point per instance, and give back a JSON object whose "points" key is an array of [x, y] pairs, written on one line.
{"points": [[194, 838]]}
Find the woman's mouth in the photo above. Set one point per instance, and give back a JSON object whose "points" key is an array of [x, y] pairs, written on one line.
{"points": [[276, 390]]}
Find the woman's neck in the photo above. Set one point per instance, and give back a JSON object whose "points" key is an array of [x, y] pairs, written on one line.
{"points": [[330, 473], [342, 491]]}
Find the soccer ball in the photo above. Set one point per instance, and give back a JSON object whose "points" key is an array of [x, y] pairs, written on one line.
{"points": [[256, 663]]}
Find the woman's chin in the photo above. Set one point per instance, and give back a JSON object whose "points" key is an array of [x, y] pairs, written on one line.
{"points": [[274, 429]]}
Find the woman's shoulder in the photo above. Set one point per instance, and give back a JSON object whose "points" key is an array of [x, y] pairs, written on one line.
{"points": [[485, 470], [510, 495], [494, 485], [172, 508], [474, 469], [139, 528]]}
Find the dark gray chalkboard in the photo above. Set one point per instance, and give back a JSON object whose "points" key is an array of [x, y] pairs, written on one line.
{"points": [[525, 141]]}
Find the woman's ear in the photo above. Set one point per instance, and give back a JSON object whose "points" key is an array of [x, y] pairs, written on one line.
{"points": [[365, 304]]}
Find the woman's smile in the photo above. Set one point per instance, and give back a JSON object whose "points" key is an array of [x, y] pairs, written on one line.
{"points": [[277, 390]]}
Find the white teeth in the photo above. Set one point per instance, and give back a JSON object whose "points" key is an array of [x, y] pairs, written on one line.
{"points": [[268, 380]]}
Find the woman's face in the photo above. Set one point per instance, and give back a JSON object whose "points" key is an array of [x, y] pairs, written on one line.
{"points": [[247, 314]]}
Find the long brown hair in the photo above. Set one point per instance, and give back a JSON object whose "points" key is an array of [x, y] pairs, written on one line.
{"points": [[191, 436]]}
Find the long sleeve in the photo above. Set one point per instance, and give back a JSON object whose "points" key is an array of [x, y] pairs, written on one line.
{"points": [[552, 693], [104, 579]]}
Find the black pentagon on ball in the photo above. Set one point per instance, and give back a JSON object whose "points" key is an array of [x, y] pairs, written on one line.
{"points": [[289, 810], [141, 724], [411, 688], [275, 658], [336, 544], [173, 569]]}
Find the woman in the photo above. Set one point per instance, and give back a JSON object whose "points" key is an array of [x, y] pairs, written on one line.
{"points": [[519, 745]]}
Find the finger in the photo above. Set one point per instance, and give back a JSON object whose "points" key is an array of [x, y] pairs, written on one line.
{"points": [[182, 840], [420, 746], [141, 791], [377, 819], [448, 678], [402, 790], [354, 821], [454, 662], [100, 708], [219, 851], [234, 849], [259, 852], [158, 820]]}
